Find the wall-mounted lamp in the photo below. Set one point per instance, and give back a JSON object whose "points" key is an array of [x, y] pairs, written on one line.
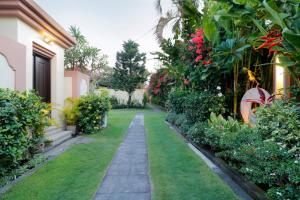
{"points": [[47, 37]]}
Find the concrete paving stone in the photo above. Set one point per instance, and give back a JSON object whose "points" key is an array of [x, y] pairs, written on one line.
{"points": [[128, 184], [128, 169], [124, 196]]}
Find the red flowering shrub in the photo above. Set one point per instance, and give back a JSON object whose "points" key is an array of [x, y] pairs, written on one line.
{"points": [[200, 48], [159, 87]]}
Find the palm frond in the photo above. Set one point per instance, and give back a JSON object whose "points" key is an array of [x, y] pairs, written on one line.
{"points": [[161, 25], [158, 6]]}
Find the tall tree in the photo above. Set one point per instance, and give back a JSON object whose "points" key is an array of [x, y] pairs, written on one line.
{"points": [[77, 56], [85, 57], [105, 77], [129, 71]]}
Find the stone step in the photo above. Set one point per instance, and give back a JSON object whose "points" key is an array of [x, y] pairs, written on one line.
{"points": [[58, 135], [52, 130]]}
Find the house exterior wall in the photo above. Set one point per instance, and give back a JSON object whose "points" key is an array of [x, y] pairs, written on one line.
{"points": [[25, 35]]}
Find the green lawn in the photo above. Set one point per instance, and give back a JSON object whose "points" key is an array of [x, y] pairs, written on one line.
{"points": [[77, 173], [177, 173]]}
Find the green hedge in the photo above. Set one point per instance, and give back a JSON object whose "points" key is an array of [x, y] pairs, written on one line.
{"points": [[115, 104], [23, 118]]}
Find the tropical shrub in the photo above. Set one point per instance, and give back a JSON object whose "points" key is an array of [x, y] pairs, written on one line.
{"points": [[71, 111], [92, 109], [277, 157], [171, 117], [198, 106], [271, 166], [267, 154], [180, 119], [196, 132], [281, 124], [23, 118], [177, 100]]}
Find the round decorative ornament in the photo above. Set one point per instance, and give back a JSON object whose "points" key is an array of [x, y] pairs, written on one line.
{"points": [[254, 96]]}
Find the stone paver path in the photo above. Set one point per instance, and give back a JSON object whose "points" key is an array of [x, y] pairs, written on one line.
{"points": [[127, 178]]}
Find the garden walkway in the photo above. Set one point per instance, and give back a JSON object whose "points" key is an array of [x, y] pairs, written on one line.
{"points": [[128, 176]]}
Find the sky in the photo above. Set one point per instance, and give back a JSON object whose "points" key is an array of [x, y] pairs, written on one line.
{"points": [[108, 23]]}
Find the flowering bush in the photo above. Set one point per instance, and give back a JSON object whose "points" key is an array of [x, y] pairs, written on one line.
{"points": [[198, 106], [92, 109], [159, 87], [23, 118], [200, 48]]}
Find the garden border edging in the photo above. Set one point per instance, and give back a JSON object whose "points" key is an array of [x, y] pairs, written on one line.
{"points": [[250, 188]]}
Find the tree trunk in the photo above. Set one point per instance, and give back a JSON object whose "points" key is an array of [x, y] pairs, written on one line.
{"points": [[235, 88], [129, 100]]}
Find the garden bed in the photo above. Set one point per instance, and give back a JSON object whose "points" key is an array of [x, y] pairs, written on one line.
{"points": [[250, 188]]}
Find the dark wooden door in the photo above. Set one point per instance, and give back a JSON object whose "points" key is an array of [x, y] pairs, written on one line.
{"points": [[41, 77]]}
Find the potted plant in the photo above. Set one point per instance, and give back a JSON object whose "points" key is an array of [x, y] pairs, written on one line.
{"points": [[71, 113]]}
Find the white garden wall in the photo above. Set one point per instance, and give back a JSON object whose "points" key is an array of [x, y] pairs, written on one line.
{"points": [[122, 96]]}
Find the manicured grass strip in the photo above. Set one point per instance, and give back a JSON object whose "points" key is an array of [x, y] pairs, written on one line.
{"points": [[77, 173], [176, 172]]}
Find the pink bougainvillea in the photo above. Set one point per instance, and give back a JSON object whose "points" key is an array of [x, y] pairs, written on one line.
{"points": [[198, 46], [156, 80]]}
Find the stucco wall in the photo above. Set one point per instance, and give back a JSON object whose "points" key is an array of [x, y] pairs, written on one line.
{"points": [[79, 84], [8, 78], [13, 75], [8, 28], [68, 87]]}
